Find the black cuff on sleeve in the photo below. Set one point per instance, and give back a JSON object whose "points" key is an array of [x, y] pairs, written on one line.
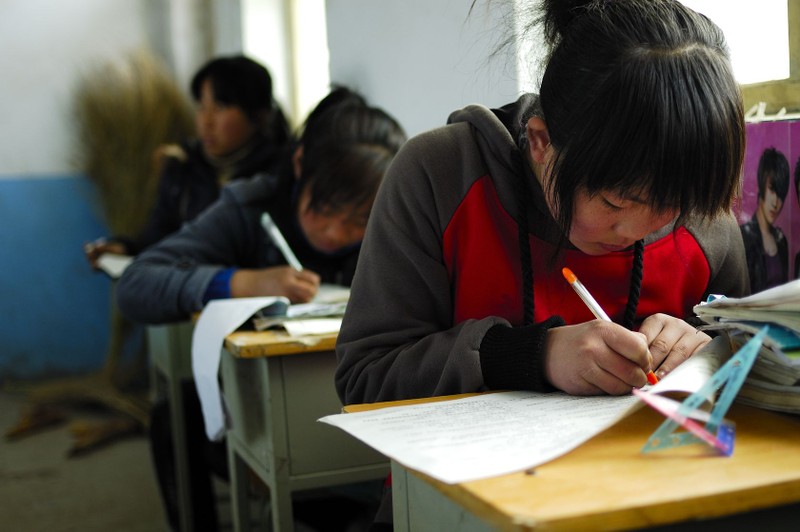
{"points": [[512, 358]]}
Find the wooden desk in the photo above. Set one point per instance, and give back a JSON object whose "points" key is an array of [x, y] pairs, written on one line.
{"points": [[275, 389], [170, 348], [607, 483]]}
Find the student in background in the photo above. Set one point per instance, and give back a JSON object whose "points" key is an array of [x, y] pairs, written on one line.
{"points": [[320, 198], [765, 244], [241, 130]]}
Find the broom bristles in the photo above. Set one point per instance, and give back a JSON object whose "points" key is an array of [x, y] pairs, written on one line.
{"points": [[125, 110]]}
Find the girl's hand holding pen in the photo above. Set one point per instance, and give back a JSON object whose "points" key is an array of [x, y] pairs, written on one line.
{"points": [[596, 357], [671, 341], [297, 286]]}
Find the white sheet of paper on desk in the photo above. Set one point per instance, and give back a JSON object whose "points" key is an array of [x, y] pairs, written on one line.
{"points": [[312, 327], [332, 293], [498, 433], [113, 264], [218, 319], [486, 435]]}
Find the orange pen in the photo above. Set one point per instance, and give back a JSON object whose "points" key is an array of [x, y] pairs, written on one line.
{"points": [[594, 306]]}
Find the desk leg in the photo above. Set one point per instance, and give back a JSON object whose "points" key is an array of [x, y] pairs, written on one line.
{"points": [[240, 500], [170, 352], [281, 507], [277, 473], [418, 506], [177, 422], [400, 498]]}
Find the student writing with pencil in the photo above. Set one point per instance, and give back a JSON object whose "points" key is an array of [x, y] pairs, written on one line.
{"points": [[318, 201], [623, 169]]}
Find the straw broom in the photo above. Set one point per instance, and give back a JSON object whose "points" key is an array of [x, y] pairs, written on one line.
{"points": [[124, 111]]}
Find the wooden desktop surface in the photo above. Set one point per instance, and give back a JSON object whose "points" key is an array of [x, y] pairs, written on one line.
{"points": [[254, 344], [608, 480]]}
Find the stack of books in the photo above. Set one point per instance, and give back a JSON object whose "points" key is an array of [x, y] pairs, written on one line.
{"points": [[774, 380]]}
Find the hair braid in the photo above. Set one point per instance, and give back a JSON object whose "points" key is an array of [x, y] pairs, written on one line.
{"points": [[524, 250], [636, 284]]}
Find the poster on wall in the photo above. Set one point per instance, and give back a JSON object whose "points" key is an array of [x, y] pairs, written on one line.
{"points": [[769, 210]]}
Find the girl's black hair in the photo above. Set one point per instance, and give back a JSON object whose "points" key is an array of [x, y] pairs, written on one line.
{"points": [[347, 147], [639, 98], [242, 82], [773, 165]]}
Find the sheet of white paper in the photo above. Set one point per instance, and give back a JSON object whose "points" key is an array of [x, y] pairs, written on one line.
{"points": [[312, 326], [493, 434], [332, 293], [486, 435], [113, 264], [218, 319]]}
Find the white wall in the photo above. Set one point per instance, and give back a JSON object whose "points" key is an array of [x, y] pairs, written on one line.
{"points": [[56, 308], [422, 59], [276, 31], [264, 36], [44, 46]]}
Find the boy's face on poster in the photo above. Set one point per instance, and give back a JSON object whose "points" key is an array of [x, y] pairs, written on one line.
{"points": [[771, 203]]}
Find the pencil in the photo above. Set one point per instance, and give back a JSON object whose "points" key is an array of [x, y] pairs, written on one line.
{"points": [[594, 306], [276, 236]]}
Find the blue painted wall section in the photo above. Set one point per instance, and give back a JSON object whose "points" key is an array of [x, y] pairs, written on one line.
{"points": [[55, 309]]}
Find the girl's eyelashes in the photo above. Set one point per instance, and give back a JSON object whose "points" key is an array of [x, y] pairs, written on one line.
{"points": [[610, 205]]}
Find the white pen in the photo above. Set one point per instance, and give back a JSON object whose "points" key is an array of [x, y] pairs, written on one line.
{"points": [[594, 306], [584, 294], [276, 236]]}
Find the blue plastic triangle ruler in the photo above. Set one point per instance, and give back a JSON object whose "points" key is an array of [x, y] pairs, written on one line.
{"points": [[717, 431]]}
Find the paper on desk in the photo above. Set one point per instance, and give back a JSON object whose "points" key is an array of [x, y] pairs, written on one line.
{"points": [[312, 327], [113, 264], [218, 319], [499, 433], [486, 435], [330, 302]]}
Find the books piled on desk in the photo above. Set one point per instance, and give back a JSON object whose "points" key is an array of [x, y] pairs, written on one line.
{"points": [[774, 381]]}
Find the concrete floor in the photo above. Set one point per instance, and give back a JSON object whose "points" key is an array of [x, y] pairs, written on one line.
{"points": [[110, 488], [114, 487]]}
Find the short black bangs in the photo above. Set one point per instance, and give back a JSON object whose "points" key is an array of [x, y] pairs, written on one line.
{"points": [[662, 128]]}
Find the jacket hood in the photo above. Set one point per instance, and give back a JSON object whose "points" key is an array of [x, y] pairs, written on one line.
{"points": [[502, 130], [500, 135]]}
